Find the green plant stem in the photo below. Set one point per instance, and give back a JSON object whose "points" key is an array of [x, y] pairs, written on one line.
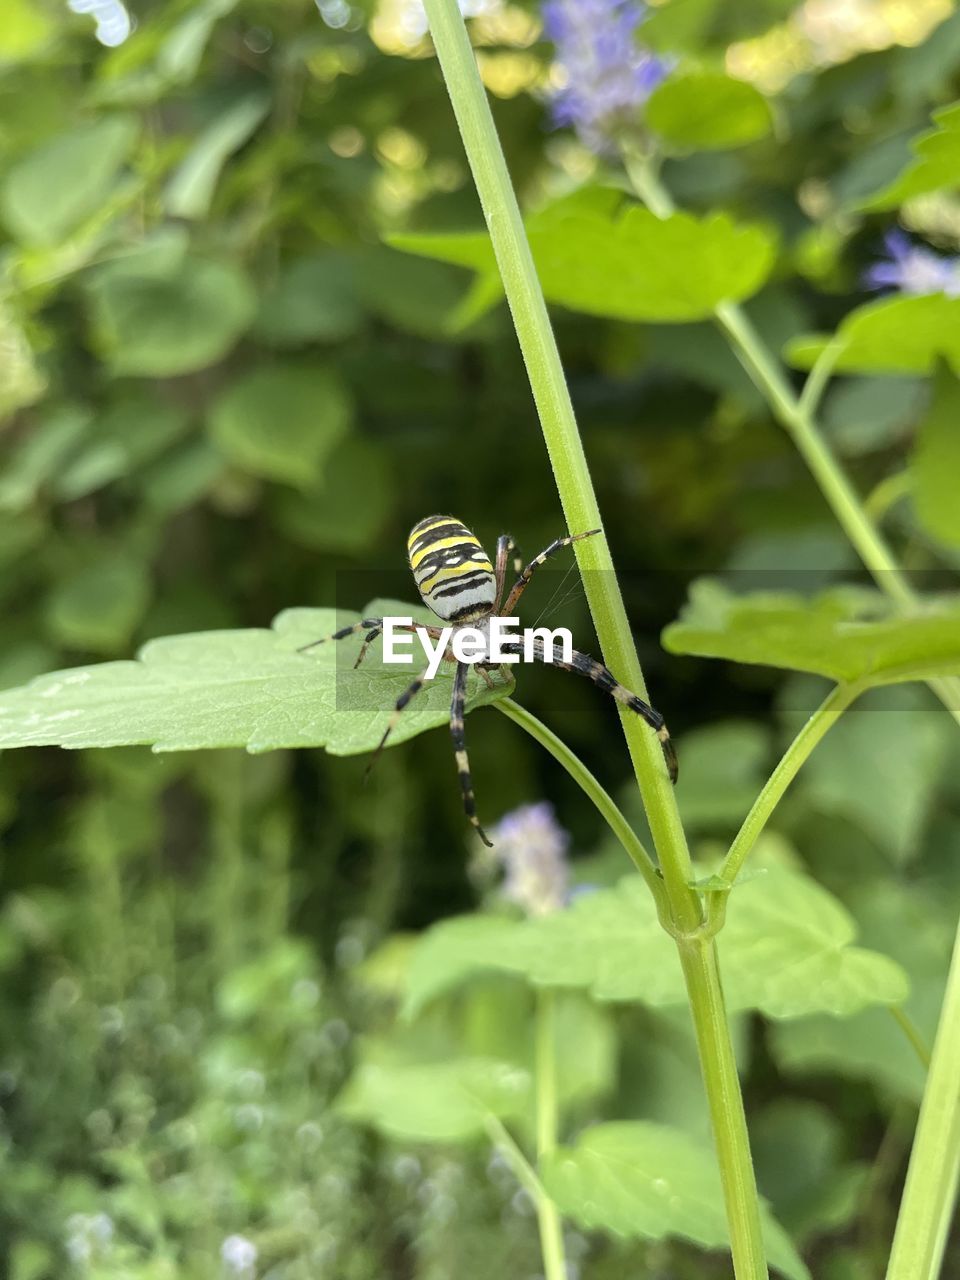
{"points": [[931, 1186], [793, 759], [584, 779], [575, 488], [912, 1032], [545, 1083]]}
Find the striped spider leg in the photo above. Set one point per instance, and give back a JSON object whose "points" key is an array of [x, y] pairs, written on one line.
{"points": [[604, 679], [525, 573]]}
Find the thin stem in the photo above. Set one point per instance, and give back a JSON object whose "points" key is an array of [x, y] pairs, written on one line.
{"points": [[545, 1083], [826, 715], [524, 1171], [887, 493], [912, 1032], [932, 1175], [584, 779], [575, 488]]}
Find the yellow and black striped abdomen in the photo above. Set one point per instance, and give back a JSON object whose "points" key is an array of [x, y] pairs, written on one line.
{"points": [[453, 572]]}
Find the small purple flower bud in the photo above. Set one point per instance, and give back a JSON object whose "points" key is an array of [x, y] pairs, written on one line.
{"points": [[607, 75], [913, 269], [532, 848]]}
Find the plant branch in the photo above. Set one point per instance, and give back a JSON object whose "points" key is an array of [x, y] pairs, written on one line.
{"points": [[575, 488], [793, 759], [584, 779], [545, 1083]]}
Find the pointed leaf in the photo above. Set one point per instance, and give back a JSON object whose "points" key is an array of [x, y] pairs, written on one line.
{"points": [[638, 1179], [892, 335], [935, 166], [786, 950], [846, 634], [231, 689], [434, 1102], [708, 110], [629, 265]]}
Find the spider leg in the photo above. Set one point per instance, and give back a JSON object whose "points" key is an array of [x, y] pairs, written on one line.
{"points": [[365, 624], [506, 550], [604, 679], [460, 750], [527, 573], [409, 693], [373, 627]]}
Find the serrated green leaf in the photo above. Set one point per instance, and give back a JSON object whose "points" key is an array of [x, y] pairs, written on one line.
{"points": [[845, 634], [165, 322], [190, 191], [629, 265], [282, 421], [435, 1102], [935, 166], [48, 193], [638, 1179], [935, 464], [707, 109], [785, 950], [892, 335], [233, 689]]}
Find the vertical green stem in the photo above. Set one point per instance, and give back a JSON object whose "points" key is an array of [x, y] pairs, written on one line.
{"points": [[545, 1082], [931, 1188], [577, 496]]}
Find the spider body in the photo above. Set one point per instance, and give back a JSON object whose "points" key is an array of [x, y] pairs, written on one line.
{"points": [[460, 585]]}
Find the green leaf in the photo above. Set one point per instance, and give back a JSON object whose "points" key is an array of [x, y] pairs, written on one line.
{"points": [[233, 689], [846, 634], [328, 518], [99, 607], [707, 109], [129, 433], [935, 166], [25, 31], [48, 193], [935, 464], [39, 456], [314, 300], [880, 768], [190, 191], [797, 1148], [629, 266], [864, 415], [892, 335], [21, 382], [723, 769], [281, 421], [637, 1179], [915, 926], [434, 1102], [170, 322], [786, 950]]}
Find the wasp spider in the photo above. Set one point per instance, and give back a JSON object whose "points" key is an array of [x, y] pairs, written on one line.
{"points": [[459, 584]]}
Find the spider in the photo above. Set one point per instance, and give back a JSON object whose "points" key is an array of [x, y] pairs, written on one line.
{"points": [[458, 583]]}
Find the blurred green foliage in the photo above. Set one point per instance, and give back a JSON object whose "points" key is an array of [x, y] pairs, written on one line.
{"points": [[228, 388]]}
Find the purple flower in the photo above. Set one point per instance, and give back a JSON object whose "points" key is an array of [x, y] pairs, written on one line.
{"points": [[607, 75], [913, 268], [531, 846]]}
